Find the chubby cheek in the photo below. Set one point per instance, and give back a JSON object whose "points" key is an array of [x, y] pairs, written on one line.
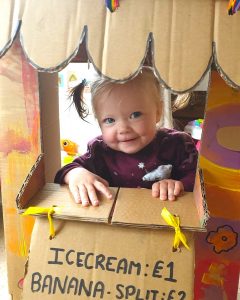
{"points": [[108, 136], [148, 130]]}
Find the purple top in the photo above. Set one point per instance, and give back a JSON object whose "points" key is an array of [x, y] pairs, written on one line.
{"points": [[126, 170]]}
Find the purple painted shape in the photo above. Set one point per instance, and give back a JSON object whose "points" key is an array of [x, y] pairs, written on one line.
{"points": [[223, 116]]}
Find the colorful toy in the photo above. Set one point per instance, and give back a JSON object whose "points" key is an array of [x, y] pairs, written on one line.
{"points": [[71, 150], [194, 128], [70, 147]]}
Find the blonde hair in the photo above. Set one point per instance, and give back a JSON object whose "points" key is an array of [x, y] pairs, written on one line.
{"points": [[103, 84], [146, 75]]}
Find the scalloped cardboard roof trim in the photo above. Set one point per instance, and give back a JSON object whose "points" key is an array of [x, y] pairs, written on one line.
{"points": [[182, 38]]}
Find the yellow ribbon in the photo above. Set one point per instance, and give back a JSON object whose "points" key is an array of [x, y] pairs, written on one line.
{"points": [[174, 221], [49, 211]]}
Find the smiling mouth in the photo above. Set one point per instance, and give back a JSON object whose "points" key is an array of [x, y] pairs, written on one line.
{"points": [[129, 140]]}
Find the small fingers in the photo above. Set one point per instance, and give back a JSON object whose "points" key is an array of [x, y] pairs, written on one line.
{"points": [[156, 190], [167, 189], [179, 188], [75, 192], [160, 189], [86, 194], [170, 190], [92, 195], [101, 187], [163, 190], [83, 195]]}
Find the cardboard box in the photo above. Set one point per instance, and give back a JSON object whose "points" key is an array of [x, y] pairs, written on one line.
{"points": [[122, 249], [107, 262]]}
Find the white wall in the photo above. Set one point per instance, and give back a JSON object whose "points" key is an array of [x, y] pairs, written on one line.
{"points": [[71, 126]]}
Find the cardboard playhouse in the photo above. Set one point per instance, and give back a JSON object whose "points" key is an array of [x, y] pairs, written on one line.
{"points": [[122, 250]]}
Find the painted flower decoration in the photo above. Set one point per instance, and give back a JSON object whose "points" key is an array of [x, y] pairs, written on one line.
{"points": [[223, 239]]}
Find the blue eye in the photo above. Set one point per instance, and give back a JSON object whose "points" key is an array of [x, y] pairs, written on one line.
{"points": [[108, 121], [135, 115]]}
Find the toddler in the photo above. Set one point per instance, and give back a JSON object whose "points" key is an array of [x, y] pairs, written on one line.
{"points": [[131, 152]]}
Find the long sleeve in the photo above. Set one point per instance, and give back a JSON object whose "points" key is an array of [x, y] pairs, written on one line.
{"points": [[127, 170], [186, 161], [91, 161]]}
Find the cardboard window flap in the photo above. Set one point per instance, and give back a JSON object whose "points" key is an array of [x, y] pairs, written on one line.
{"points": [[55, 195], [136, 207]]}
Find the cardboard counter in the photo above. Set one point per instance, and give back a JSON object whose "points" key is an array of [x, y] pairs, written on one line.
{"points": [[119, 250]]}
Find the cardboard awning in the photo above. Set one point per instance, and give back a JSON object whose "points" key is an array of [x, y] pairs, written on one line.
{"points": [[186, 36]]}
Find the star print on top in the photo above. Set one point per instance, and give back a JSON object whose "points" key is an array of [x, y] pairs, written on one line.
{"points": [[141, 165], [169, 147]]}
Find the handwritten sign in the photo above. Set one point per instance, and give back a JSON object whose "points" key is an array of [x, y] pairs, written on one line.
{"points": [[97, 261]]}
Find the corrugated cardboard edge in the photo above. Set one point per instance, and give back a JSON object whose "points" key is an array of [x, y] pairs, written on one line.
{"points": [[157, 227], [11, 40], [200, 198], [221, 72], [61, 65], [32, 184], [83, 41], [149, 48]]}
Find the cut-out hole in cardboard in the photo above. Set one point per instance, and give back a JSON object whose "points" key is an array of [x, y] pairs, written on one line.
{"points": [[69, 78], [183, 112]]}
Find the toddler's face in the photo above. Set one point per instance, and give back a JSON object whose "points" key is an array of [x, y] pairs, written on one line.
{"points": [[127, 115]]}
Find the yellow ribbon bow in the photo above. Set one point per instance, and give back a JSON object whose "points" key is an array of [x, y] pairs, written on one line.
{"points": [[174, 221], [49, 211]]}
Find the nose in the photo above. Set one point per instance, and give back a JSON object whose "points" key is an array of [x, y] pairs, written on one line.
{"points": [[123, 127]]}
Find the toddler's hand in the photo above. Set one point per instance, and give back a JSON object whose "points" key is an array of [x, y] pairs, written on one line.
{"points": [[167, 189], [83, 185]]}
